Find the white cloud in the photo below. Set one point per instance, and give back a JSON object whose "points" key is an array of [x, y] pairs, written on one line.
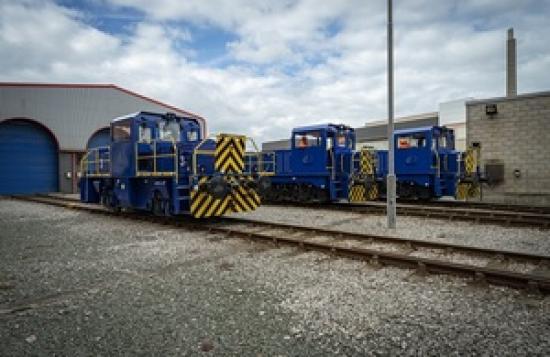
{"points": [[336, 48]]}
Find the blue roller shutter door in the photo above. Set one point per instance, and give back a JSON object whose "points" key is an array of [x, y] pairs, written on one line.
{"points": [[28, 158]]}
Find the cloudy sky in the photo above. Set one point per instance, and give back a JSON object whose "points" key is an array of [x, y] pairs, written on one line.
{"points": [[263, 66]]}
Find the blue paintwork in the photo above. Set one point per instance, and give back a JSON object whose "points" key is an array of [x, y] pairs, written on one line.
{"points": [[311, 165], [416, 168], [28, 158], [123, 189]]}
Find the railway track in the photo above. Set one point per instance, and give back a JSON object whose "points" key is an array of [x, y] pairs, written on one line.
{"points": [[476, 215], [482, 265], [482, 205]]}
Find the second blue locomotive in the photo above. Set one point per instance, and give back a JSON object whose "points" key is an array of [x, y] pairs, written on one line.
{"points": [[321, 165]]}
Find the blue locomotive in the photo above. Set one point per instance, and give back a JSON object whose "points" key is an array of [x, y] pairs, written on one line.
{"points": [[161, 163], [321, 165], [426, 163]]}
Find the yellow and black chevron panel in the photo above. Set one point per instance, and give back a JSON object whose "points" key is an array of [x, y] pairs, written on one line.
{"points": [[466, 190], [229, 154], [470, 161], [244, 200], [366, 162], [241, 199], [357, 193], [203, 204]]}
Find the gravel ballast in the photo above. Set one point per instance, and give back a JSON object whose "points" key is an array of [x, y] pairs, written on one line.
{"points": [[74, 283]]}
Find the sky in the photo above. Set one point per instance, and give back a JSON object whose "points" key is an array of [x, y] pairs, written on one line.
{"points": [[261, 67]]}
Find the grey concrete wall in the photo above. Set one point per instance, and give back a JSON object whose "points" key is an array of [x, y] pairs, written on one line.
{"points": [[518, 136]]}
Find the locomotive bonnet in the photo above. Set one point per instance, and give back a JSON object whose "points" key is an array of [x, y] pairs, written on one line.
{"points": [[161, 163]]}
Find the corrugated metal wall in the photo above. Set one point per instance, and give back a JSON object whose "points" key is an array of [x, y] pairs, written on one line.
{"points": [[72, 114]]}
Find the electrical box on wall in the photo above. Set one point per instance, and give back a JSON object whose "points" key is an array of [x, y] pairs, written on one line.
{"points": [[494, 171]]}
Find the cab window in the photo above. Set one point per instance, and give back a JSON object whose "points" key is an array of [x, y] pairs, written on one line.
{"points": [[169, 130], [144, 134], [411, 141], [192, 135], [307, 139], [341, 140], [121, 131]]}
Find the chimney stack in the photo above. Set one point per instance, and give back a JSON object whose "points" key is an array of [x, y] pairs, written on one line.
{"points": [[511, 68]]}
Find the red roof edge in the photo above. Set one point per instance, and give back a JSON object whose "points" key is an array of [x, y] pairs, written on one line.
{"points": [[103, 85]]}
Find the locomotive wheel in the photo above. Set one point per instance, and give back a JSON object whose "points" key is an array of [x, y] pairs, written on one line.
{"points": [[106, 200], [304, 194]]}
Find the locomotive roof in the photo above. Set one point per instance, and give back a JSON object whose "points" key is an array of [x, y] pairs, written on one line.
{"points": [[328, 126], [133, 115]]}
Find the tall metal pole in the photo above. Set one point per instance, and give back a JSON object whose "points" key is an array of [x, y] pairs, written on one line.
{"points": [[390, 191]]}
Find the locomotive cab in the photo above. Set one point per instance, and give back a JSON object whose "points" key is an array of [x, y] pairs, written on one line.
{"points": [[426, 162]]}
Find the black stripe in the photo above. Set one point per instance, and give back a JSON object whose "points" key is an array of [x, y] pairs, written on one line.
{"points": [[234, 165], [223, 144], [253, 198], [200, 202], [239, 143]]}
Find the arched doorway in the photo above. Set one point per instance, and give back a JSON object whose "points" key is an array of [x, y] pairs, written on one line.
{"points": [[100, 138], [28, 158]]}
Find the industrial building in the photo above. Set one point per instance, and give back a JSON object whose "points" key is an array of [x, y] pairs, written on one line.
{"points": [[45, 130], [513, 134]]}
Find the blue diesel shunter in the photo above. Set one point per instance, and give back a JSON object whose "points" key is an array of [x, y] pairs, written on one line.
{"points": [[320, 166], [161, 163], [426, 163]]}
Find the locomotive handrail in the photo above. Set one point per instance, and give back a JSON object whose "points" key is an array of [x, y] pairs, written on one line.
{"points": [[153, 144], [85, 162], [197, 151], [259, 159], [332, 167], [437, 163]]}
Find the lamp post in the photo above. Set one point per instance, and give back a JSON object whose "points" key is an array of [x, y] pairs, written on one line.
{"points": [[390, 186]]}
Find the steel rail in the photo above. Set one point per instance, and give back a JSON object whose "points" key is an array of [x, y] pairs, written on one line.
{"points": [[471, 215], [530, 282], [482, 205], [407, 242], [519, 219]]}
